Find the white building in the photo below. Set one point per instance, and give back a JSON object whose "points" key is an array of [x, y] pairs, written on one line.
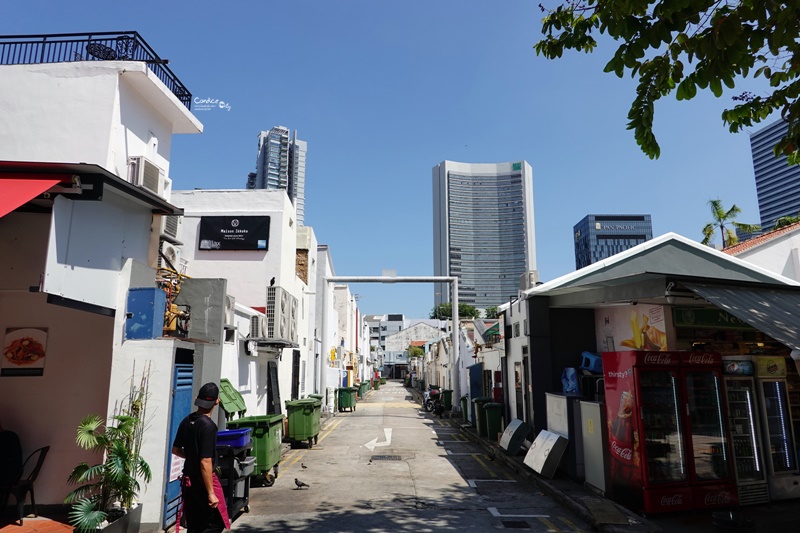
{"points": [[75, 235], [777, 251], [250, 238]]}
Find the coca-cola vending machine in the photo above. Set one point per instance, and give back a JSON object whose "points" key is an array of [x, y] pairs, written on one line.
{"points": [[666, 431]]}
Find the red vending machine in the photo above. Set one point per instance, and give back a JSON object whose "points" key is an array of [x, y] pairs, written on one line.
{"points": [[667, 431]]}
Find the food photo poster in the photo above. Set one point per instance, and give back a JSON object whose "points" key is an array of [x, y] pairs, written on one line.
{"points": [[24, 351]]}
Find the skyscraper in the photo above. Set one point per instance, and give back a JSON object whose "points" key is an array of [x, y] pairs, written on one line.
{"points": [[598, 237], [281, 164], [483, 230], [777, 183]]}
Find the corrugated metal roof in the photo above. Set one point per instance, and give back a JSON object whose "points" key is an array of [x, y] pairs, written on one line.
{"points": [[776, 312]]}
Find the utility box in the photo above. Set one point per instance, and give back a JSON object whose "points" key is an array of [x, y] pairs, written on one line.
{"points": [[145, 313]]}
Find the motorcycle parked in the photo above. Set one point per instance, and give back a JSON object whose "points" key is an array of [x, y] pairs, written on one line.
{"points": [[433, 401]]}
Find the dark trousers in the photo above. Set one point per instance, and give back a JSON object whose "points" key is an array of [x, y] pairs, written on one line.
{"points": [[200, 517]]}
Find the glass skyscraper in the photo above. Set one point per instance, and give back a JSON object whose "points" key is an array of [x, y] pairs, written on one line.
{"points": [[483, 230], [777, 183], [281, 164], [598, 237]]}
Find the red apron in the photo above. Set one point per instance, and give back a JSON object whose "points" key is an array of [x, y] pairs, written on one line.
{"points": [[186, 483]]}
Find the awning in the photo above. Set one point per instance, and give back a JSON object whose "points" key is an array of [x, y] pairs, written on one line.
{"points": [[775, 312], [15, 192]]}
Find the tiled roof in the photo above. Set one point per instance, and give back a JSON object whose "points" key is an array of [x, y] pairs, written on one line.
{"points": [[418, 343], [761, 239]]}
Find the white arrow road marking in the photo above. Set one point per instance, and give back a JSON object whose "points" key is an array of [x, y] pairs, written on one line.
{"points": [[496, 513], [371, 445]]}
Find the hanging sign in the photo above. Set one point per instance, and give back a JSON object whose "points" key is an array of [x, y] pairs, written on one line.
{"points": [[234, 233]]}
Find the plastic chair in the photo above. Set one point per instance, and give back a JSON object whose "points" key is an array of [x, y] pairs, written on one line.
{"points": [[21, 487]]}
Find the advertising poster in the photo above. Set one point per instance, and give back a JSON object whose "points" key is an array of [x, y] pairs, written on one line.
{"points": [[234, 233], [634, 327], [24, 351]]}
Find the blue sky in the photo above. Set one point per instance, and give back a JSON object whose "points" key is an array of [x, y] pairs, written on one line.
{"points": [[384, 90]]}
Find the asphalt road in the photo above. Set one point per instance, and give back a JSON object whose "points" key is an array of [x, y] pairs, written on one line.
{"points": [[389, 466]]}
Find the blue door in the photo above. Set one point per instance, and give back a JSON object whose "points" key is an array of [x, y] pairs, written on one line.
{"points": [[181, 407], [475, 387]]}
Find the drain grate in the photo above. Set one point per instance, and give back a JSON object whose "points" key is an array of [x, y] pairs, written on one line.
{"points": [[516, 524], [385, 458]]}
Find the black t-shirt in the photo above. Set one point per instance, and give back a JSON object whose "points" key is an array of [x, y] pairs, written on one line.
{"points": [[197, 436]]}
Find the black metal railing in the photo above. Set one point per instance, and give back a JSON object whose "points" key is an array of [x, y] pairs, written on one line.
{"points": [[105, 46]]}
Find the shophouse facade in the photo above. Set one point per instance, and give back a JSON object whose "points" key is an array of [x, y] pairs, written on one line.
{"points": [[85, 182]]}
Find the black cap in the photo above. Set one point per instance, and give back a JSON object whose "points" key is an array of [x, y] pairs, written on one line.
{"points": [[208, 395]]}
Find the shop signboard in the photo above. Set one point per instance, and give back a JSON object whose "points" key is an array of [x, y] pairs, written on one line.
{"points": [[694, 317], [234, 233]]}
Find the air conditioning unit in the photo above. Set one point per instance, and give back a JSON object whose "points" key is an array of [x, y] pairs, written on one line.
{"points": [[171, 226], [258, 327], [145, 174], [169, 256], [528, 280], [281, 319], [230, 310]]}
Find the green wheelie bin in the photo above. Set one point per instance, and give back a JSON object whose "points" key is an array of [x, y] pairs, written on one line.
{"points": [[480, 415], [304, 422], [447, 399], [494, 419], [376, 384], [347, 398], [383, 381], [465, 409], [266, 435]]}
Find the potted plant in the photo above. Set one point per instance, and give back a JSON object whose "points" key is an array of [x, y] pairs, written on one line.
{"points": [[107, 491]]}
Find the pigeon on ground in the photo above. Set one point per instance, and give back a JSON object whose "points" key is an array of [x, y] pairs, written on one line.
{"points": [[303, 466], [300, 484], [491, 456]]}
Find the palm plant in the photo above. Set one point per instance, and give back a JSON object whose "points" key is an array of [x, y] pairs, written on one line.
{"points": [[113, 480], [725, 221], [108, 489]]}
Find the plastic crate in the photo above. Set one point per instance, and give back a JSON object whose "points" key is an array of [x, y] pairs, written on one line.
{"points": [[233, 437], [245, 467]]}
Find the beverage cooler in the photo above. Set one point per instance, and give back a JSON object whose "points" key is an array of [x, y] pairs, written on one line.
{"points": [[780, 448], [667, 431], [745, 428]]}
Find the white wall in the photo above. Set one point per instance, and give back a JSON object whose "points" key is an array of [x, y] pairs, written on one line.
{"points": [[418, 332], [248, 271], [88, 244], [88, 111], [779, 255]]}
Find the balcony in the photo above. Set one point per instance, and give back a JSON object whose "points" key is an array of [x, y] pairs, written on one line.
{"points": [[106, 46]]}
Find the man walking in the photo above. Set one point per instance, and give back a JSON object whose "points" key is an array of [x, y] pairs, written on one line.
{"points": [[196, 441]]}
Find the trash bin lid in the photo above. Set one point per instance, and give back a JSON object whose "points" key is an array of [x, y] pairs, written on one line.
{"points": [[481, 400], [230, 399], [254, 421], [493, 405]]}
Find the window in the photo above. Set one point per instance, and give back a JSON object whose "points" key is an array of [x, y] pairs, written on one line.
{"points": [[516, 329]]}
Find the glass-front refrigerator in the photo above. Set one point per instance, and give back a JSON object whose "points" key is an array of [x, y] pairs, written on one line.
{"points": [[744, 424], [779, 444], [646, 435], [711, 466]]}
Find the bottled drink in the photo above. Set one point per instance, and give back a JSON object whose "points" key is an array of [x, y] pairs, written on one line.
{"points": [[622, 442]]}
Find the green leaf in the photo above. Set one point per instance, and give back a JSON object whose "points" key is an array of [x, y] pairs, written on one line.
{"points": [[716, 87]]}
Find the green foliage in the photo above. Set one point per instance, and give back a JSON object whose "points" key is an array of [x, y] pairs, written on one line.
{"points": [[415, 351], [445, 311], [786, 221], [490, 312], [116, 477], [687, 45], [723, 220]]}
